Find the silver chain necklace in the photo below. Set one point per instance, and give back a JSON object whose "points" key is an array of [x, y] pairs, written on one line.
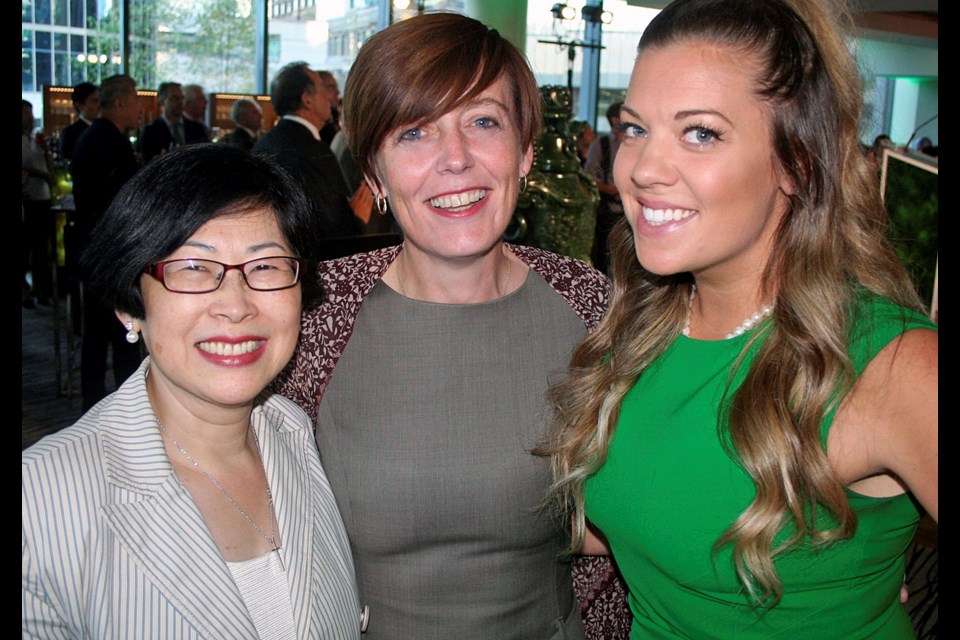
{"points": [[271, 540]]}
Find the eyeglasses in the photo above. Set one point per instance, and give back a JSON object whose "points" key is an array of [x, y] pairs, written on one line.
{"points": [[193, 275]]}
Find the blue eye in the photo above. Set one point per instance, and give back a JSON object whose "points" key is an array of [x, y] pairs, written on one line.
{"points": [[412, 134], [700, 135], [486, 123], [630, 130]]}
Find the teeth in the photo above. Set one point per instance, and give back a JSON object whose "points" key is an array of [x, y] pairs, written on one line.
{"points": [[230, 349], [661, 216], [458, 200]]}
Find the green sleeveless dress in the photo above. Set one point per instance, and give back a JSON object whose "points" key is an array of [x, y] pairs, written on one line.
{"points": [[669, 490]]}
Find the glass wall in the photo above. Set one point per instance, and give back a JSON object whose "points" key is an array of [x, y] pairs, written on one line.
{"points": [[205, 42], [213, 43], [619, 40], [65, 42], [328, 34], [325, 34], [208, 42]]}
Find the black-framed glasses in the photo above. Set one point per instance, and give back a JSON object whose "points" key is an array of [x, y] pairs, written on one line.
{"points": [[194, 275]]}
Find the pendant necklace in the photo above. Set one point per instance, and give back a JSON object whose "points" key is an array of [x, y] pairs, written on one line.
{"points": [[272, 539]]}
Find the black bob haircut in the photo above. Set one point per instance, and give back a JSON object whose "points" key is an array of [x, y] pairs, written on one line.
{"points": [[167, 201]]}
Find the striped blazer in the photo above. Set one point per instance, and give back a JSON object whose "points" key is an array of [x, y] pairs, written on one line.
{"points": [[113, 546]]}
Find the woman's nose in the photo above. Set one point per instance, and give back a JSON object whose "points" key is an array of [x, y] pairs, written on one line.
{"points": [[455, 155], [649, 162], [233, 299]]}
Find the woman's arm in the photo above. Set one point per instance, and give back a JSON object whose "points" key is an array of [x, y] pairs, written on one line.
{"points": [[594, 543], [889, 424], [907, 441]]}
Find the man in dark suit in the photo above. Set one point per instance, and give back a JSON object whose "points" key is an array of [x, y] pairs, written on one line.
{"points": [[330, 129], [195, 107], [294, 143], [171, 129], [248, 116], [86, 101], [103, 161]]}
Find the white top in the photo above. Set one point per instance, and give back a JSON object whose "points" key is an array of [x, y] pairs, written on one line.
{"points": [[264, 589], [32, 157]]}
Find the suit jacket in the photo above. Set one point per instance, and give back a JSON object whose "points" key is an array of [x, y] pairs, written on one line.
{"points": [[70, 135], [315, 168], [103, 161], [156, 137], [240, 138], [113, 546]]}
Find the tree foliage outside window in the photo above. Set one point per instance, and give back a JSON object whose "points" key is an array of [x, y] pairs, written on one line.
{"points": [[208, 43]]}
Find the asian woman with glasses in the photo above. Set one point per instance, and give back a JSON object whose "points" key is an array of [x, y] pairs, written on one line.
{"points": [[191, 503]]}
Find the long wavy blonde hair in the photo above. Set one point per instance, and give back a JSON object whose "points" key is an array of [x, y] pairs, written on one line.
{"points": [[830, 243]]}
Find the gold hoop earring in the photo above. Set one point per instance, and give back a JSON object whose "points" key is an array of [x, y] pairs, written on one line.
{"points": [[523, 183], [381, 203]]}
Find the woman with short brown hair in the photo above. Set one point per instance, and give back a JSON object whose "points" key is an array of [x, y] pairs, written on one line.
{"points": [[443, 347]]}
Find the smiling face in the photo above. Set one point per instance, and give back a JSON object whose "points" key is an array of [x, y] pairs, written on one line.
{"points": [[220, 349], [696, 168], [453, 183]]}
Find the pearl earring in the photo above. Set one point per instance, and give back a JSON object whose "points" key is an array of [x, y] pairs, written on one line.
{"points": [[132, 336]]}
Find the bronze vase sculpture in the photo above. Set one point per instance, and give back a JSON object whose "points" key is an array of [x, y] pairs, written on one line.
{"points": [[558, 209]]}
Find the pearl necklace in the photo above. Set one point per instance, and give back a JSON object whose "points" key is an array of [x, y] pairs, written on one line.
{"points": [[752, 320], [272, 539]]}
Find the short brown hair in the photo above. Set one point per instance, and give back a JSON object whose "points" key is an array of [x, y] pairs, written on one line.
{"points": [[417, 70]]}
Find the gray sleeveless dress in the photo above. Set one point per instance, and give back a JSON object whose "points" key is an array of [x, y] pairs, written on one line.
{"points": [[425, 432]]}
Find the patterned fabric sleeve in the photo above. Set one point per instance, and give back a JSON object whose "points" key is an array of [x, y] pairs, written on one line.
{"points": [[325, 330], [585, 289], [602, 596]]}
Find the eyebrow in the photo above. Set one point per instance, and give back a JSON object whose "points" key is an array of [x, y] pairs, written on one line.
{"points": [[477, 102], [624, 107], [251, 249], [680, 115]]}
